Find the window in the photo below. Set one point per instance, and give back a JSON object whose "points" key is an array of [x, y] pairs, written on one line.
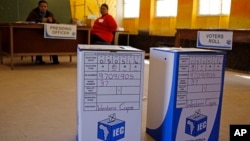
{"points": [[214, 7], [166, 8], [131, 8]]}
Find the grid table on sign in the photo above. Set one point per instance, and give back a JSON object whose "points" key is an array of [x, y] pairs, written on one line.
{"points": [[112, 81], [199, 82]]}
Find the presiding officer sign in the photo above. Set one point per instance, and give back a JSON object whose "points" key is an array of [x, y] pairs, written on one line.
{"points": [[215, 39], [60, 31]]}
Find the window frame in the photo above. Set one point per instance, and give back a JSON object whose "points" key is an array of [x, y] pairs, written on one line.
{"points": [[138, 8], [167, 2], [221, 6]]}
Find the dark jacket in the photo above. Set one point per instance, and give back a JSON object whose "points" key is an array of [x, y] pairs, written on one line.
{"points": [[35, 16]]}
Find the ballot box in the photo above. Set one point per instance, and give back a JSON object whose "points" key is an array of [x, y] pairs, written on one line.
{"points": [[109, 93], [185, 94]]}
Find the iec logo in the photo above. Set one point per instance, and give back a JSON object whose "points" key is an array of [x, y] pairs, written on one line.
{"points": [[229, 42], [111, 129], [196, 124]]}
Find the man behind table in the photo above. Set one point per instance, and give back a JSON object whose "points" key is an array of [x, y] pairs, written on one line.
{"points": [[41, 14]]}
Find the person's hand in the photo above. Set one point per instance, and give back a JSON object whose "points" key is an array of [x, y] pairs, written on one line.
{"points": [[44, 20], [50, 19]]}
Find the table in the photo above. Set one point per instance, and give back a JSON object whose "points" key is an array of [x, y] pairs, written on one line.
{"points": [[239, 35], [117, 34], [27, 39]]}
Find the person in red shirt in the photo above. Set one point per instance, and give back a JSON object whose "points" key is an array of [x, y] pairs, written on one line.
{"points": [[104, 27]]}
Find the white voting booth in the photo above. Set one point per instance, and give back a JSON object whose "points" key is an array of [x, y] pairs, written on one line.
{"points": [[185, 94], [109, 93]]}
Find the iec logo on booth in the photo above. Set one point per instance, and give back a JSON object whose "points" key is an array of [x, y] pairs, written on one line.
{"points": [[196, 124], [111, 129]]}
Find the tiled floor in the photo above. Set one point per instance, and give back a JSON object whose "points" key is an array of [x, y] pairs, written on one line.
{"points": [[38, 102]]}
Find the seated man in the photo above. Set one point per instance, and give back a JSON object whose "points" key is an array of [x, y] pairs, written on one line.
{"points": [[41, 14]]}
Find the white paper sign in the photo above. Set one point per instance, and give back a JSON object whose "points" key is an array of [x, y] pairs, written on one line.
{"points": [[60, 31], [215, 39]]}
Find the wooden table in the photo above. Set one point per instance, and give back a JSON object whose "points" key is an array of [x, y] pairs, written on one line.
{"points": [[26, 39], [117, 34], [241, 36]]}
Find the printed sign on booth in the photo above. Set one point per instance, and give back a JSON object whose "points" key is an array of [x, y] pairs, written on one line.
{"points": [[60, 31], [215, 39]]}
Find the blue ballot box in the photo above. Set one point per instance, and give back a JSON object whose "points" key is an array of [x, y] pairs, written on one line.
{"points": [[109, 93], [185, 94]]}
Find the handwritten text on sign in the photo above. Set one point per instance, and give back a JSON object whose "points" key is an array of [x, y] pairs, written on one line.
{"points": [[60, 31], [215, 39]]}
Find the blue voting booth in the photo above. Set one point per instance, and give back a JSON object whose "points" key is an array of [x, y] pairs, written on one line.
{"points": [[185, 94]]}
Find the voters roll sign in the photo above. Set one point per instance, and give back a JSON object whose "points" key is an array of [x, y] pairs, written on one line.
{"points": [[215, 39], [60, 31]]}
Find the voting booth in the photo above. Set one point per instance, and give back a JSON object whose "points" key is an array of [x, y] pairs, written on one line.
{"points": [[109, 93], [185, 94]]}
